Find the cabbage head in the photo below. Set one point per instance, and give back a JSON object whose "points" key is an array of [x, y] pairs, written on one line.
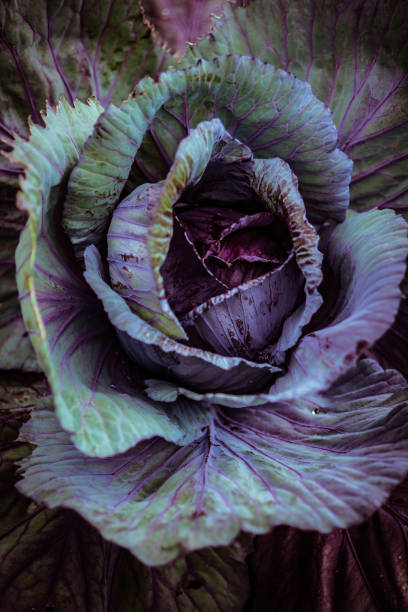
{"points": [[205, 297]]}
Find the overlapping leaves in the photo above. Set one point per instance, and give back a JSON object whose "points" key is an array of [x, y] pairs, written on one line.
{"points": [[355, 57], [322, 461], [215, 471], [210, 472], [72, 338], [47, 50], [90, 401], [75, 49], [53, 559]]}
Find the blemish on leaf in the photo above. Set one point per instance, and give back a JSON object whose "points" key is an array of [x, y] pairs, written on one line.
{"points": [[194, 583], [240, 325], [348, 359], [361, 346]]}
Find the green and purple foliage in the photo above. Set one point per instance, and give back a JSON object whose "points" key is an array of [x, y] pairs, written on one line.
{"points": [[204, 402]]}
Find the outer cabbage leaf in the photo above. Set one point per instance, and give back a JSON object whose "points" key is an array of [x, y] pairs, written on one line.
{"points": [[76, 49], [322, 462], [51, 49], [366, 298], [211, 579], [285, 121], [54, 559], [96, 397], [355, 57], [362, 568]]}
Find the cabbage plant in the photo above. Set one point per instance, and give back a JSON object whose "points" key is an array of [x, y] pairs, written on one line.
{"points": [[210, 277]]}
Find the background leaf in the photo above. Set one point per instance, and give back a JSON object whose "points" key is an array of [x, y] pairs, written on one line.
{"points": [[364, 568], [16, 351], [47, 557], [391, 349], [76, 49], [354, 54], [210, 580]]}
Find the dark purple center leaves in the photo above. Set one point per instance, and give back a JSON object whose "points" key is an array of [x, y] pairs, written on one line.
{"points": [[223, 236], [251, 247]]}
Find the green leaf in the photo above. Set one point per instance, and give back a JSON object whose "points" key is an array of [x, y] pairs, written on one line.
{"points": [[54, 559], [354, 56], [318, 463], [213, 579], [96, 396], [53, 48], [284, 121]]}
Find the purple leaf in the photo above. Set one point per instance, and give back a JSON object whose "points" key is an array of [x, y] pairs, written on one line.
{"points": [[245, 320], [323, 462], [391, 349], [234, 247], [186, 286], [51, 49], [131, 268], [361, 568], [165, 357], [261, 311], [227, 179], [354, 55], [364, 304]]}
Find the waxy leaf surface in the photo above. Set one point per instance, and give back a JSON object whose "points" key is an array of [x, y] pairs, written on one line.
{"points": [[327, 461]]}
